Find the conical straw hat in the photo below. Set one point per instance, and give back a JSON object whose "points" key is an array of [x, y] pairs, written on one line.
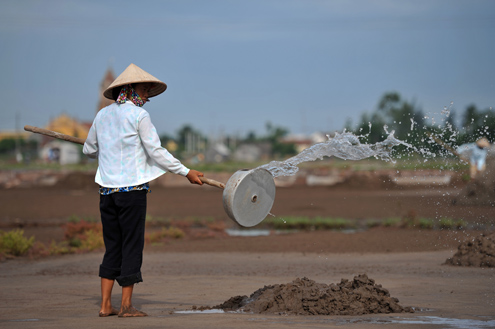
{"points": [[483, 142], [134, 74]]}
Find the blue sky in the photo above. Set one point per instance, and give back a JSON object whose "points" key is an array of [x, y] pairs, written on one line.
{"points": [[232, 66]]}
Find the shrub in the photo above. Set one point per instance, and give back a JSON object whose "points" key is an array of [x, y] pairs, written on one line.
{"points": [[55, 248], [76, 232], [60, 248], [14, 243], [158, 236], [83, 235], [92, 240]]}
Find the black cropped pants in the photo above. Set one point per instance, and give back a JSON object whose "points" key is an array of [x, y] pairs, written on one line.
{"points": [[123, 216]]}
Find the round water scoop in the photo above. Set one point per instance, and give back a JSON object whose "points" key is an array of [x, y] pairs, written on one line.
{"points": [[248, 196]]}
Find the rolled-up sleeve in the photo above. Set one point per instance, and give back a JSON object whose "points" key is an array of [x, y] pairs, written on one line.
{"points": [[91, 145], [152, 145]]}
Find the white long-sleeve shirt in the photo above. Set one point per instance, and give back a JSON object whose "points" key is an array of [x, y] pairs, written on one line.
{"points": [[128, 148]]}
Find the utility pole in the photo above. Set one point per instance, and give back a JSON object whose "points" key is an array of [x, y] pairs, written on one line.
{"points": [[18, 154]]}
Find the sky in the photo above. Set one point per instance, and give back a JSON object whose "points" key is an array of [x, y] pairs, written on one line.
{"points": [[233, 66]]}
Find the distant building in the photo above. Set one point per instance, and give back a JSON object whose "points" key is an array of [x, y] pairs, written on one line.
{"points": [[54, 150], [69, 126], [66, 125], [60, 152], [14, 135], [302, 142], [216, 153], [253, 152], [108, 78]]}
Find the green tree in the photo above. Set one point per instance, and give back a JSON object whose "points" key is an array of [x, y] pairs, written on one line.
{"points": [[165, 138], [400, 116], [251, 137], [476, 124], [371, 127], [275, 136], [7, 145], [404, 118], [471, 119], [393, 114], [187, 136]]}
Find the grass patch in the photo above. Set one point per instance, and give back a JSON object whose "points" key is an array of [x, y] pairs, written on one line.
{"points": [[391, 222], [307, 224], [420, 223], [425, 223], [85, 234], [449, 223], [327, 223]]}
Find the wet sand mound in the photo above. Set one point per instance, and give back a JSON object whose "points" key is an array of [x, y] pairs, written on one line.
{"points": [[479, 252], [306, 297]]}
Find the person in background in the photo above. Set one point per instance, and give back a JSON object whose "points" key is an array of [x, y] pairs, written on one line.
{"points": [[475, 153], [130, 155]]}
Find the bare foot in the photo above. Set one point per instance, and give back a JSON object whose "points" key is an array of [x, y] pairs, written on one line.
{"points": [[104, 313], [130, 311]]}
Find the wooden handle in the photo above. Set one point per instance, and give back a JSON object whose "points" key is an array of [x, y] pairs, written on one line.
{"points": [[54, 134], [212, 182]]}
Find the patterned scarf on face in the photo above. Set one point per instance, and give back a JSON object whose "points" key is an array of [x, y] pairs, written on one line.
{"points": [[134, 96]]}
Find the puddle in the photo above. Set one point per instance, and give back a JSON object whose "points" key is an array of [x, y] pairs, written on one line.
{"points": [[261, 232], [446, 323], [236, 232], [214, 311], [433, 320]]}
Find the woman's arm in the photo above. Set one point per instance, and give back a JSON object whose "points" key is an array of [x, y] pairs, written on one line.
{"points": [[151, 142], [91, 145]]}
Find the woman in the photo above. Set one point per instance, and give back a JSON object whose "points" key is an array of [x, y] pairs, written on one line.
{"points": [[476, 154], [130, 155]]}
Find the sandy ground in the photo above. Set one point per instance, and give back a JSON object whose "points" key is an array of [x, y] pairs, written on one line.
{"points": [[63, 291]]}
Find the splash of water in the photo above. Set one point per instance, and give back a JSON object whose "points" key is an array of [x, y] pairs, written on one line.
{"points": [[344, 146]]}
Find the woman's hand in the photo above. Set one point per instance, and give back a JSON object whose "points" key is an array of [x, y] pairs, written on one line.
{"points": [[193, 177]]}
